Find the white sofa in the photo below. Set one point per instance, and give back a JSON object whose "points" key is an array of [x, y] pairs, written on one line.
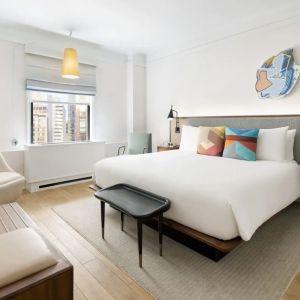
{"points": [[11, 182]]}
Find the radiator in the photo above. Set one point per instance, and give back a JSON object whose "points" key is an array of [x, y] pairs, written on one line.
{"points": [[47, 166]]}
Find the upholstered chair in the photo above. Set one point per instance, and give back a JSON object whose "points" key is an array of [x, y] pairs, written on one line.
{"points": [[11, 182], [138, 143]]}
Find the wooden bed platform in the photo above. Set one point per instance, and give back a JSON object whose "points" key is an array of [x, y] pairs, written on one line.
{"points": [[204, 244]]}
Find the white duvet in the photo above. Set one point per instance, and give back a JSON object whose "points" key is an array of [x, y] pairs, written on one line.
{"points": [[221, 197]]}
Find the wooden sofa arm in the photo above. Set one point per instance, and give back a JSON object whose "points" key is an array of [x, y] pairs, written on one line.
{"points": [[53, 283]]}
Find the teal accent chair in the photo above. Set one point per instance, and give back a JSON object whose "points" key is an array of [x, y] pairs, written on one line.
{"points": [[138, 143]]}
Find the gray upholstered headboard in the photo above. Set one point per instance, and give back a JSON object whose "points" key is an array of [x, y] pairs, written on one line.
{"points": [[293, 121]]}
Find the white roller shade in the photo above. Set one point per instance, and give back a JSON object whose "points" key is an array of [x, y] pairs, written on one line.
{"points": [[37, 85], [44, 74]]}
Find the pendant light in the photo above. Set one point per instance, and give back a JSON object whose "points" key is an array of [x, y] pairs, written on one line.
{"points": [[70, 67]]}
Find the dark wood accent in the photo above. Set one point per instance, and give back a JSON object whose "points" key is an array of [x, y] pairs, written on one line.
{"points": [[140, 241], [53, 283], [57, 287], [102, 217], [31, 123], [160, 231], [89, 122], [224, 246], [167, 148], [122, 221], [206, 245]]}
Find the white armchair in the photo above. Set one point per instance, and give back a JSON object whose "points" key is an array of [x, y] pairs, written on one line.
{"points": [[11, 183]]}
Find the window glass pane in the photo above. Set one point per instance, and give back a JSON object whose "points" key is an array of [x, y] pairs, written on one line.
{"points": [[59, 122]]}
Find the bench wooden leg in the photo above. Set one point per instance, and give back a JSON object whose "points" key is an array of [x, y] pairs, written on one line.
{"points": [[140, 239], [102, 217], [160, 225], [122, 221]]}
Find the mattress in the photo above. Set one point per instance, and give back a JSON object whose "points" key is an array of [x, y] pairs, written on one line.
{"points": [[221, 197]]}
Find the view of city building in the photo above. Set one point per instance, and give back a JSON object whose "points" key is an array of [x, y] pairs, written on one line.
{"points": [[57, 120]]}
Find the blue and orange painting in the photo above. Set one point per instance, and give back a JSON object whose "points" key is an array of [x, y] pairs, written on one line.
{"points": [[277, 76]]}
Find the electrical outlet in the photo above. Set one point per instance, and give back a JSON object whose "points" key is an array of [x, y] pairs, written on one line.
{"points": [[14, 142]]}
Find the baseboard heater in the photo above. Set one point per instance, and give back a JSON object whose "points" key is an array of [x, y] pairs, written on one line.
{"points": [[64, 182], [48, 166]]}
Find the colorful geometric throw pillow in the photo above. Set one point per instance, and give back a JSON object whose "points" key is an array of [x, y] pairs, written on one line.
{"points": [[240, 143], [211, 140]]}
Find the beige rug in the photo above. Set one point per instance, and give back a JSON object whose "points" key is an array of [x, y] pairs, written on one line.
{"points": [[259, 269]]}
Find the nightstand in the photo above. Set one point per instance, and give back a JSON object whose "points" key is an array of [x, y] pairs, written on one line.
{"points": [[167, 148]]}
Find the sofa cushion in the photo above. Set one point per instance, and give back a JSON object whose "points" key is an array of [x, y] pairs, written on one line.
{"points": [[22, 253]]}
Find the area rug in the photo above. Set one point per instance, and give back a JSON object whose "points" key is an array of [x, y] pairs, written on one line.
{"points": [[259, 269]]}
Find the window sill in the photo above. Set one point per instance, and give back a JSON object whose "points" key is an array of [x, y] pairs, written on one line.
{"points": [[64, 144]]}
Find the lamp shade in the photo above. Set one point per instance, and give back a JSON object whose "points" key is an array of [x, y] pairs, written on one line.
{"points": [[70, 68], [171, 115]]}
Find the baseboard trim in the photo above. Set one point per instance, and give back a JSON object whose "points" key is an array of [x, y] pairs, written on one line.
{"points": [[59, 182], [64, 182]]}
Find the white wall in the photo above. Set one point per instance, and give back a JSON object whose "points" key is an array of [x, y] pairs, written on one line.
{"points": [[218, 79], [110, 110], [139, 99], [12, 94], [110, 106], [136, 93]]}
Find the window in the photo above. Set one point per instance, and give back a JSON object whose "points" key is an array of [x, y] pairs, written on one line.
{"points": [[58, 117]]}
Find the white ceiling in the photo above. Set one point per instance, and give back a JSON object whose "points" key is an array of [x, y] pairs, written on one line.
{"points": [[148, 25]]}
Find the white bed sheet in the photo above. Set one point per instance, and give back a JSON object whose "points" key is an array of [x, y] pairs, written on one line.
{"points": [[221, 197]]}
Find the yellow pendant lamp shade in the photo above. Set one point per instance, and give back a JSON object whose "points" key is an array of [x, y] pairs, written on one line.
{"points": [[70, 68]]}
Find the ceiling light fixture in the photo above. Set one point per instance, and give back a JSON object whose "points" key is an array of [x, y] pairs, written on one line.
{"points": [[70, 67]]}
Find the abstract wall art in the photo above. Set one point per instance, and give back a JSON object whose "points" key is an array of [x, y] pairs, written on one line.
{"points": [[277, 76]]}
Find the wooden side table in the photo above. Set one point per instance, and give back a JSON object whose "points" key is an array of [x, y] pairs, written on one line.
{"points": [[167, 148]]}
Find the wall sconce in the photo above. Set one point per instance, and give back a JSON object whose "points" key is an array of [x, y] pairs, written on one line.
{"points": [[170, 118]]}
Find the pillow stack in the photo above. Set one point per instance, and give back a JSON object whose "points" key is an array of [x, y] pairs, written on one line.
{"points": [[274, 144], [241, 143], [189, 138], [211, 140], [290, 144]]}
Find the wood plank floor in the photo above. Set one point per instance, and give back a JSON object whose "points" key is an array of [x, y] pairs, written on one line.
{"points": [[95, 277]]}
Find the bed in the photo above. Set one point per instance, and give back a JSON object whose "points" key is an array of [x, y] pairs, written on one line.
{"points": [[219, 197]]}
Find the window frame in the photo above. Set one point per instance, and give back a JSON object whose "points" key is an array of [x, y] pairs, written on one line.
{"points": [[31, 103]]}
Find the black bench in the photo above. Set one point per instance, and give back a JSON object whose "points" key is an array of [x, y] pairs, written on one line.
{"points": [[136, 203]]}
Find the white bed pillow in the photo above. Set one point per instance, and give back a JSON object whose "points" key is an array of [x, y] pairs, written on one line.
{"points": [[189, 138], [271, 144], [290, 144]]}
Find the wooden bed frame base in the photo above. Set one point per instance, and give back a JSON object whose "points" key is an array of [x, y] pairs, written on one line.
{"points": [[204, 244]]}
